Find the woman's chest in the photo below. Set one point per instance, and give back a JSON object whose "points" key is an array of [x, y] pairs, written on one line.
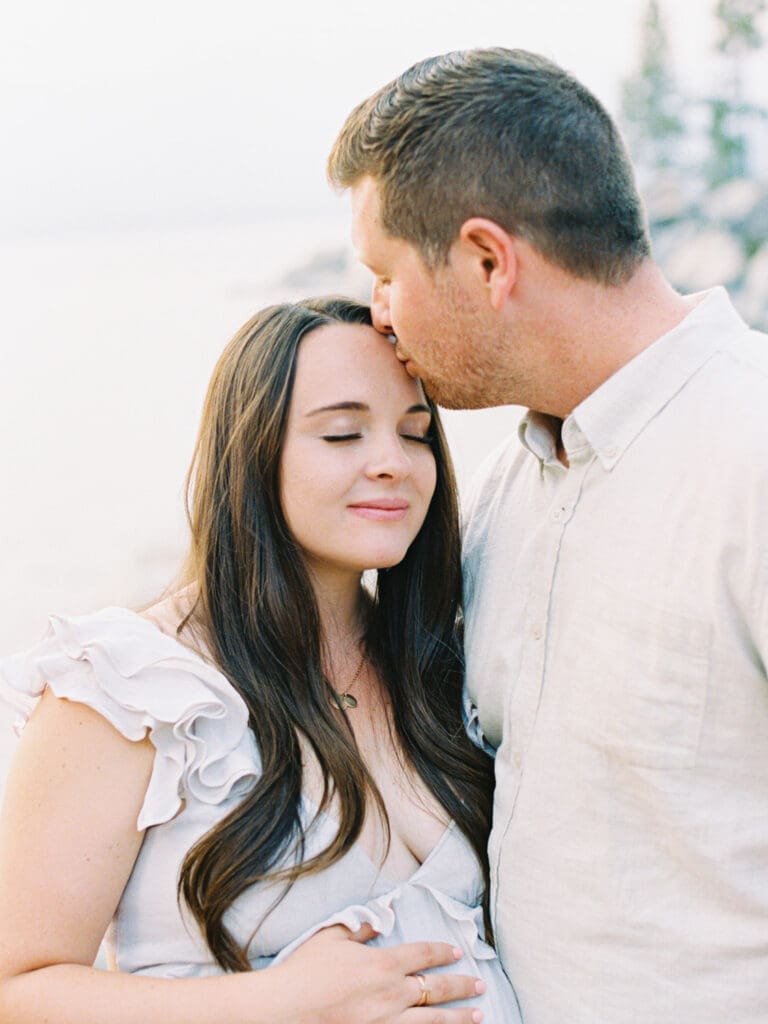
{"points": [[415, 820]]}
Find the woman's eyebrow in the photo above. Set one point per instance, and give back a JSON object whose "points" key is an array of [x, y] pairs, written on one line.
{"points": [[340, 406], [362, 407]]}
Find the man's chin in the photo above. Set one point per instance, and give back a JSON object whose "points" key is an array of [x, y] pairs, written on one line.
{"points": [[449, 397]]}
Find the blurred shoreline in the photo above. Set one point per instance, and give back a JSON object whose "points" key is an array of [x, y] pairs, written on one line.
{"points": [[110, 341]]}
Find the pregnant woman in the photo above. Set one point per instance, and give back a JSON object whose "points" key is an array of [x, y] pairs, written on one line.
{"points": [[260, 788]]}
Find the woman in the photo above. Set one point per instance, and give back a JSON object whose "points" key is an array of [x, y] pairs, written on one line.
{"points": [[272, 758]]}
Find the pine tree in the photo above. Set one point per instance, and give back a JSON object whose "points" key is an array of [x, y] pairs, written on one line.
{"points": [[738, 36], [651, 106], [737, 23]]}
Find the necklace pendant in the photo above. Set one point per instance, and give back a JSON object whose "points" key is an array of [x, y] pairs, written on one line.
{"points": [[343, 698]]}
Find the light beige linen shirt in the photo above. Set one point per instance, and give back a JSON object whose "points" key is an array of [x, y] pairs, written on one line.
{"points": [[617, 641]]}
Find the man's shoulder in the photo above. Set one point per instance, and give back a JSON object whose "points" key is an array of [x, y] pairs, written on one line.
{"points": [[738, 388], [750, 355]]}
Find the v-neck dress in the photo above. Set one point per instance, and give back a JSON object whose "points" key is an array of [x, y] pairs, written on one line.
{"points": [[206, 760]]}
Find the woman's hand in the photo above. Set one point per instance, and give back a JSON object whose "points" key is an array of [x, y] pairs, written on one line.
{"points": [[337, 979]]}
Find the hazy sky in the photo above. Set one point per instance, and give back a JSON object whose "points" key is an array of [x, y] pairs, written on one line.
{"points": [[163, 112]]}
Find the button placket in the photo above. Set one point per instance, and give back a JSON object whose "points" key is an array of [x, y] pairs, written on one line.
{"points": [[537, 618], [520, 715]]}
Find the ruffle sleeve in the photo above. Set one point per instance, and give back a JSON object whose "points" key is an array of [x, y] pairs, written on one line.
{"points": [[144, 682]]}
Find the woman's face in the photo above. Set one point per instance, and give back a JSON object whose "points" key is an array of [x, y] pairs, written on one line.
{"points": [[357, 471]]}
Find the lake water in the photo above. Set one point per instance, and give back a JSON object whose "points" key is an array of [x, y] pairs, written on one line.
{"points": [[108, 344]]}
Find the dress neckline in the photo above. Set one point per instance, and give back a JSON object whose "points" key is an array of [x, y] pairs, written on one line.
{"points": [[377, 869], [209, 665]]}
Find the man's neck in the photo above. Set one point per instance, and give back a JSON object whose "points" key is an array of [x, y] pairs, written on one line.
{"points": [[587, 332]]}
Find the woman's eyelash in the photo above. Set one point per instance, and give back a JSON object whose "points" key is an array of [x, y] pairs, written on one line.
{"points": [[335, 438]]}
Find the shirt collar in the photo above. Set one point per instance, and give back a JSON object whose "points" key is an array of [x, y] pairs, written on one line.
{"points": [[537, 433], [611, 417]]}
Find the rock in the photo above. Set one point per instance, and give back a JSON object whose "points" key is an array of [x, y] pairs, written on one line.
{"points": [[708, 257], [666, 199], [733, 201], [323, 266]]}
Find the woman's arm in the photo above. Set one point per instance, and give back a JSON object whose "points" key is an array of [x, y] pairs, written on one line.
{"points": [[68, 842], [68, 837]]}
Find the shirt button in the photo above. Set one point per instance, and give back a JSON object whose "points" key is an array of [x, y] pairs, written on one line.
{"points": [[517, 761], [536, 632], [611, 452]]}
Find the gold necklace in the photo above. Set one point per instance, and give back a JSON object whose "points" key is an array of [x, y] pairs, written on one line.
{"points": [[345, 700]]}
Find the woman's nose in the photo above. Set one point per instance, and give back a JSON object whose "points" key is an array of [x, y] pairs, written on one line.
{"points": [[388, 459]]}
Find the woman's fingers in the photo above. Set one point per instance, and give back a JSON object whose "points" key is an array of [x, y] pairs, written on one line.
{"points": [[412, 960], [413, 957], [340, 932], [439, 1015], [409, 957], [434, 989], [373, 985]]}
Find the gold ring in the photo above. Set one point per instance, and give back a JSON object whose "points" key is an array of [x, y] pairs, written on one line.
{"points": [[425, 993]]}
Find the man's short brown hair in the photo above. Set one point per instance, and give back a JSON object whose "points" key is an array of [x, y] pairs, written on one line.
{"points": [[502, 134]]}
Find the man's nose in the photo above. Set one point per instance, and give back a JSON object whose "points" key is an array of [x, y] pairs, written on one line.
{"points": [[380, 315]]}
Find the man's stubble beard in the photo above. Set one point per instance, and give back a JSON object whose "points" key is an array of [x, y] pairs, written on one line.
{"points": [[480, 375]]}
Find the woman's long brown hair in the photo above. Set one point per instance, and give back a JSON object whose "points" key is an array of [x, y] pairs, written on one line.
{"points": [[257, 615]]}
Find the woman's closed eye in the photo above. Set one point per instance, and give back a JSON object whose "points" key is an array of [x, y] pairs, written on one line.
{"points": [[337, 438], [334, 438], [417, 427]]}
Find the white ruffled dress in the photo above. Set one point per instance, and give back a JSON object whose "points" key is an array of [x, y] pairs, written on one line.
{"points": [[206, 760]]}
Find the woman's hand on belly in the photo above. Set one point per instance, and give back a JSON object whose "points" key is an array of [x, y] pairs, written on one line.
{"points": [[337, 979]]}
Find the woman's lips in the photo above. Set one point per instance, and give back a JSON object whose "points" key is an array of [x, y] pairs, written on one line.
{"points": [[381, 509]]}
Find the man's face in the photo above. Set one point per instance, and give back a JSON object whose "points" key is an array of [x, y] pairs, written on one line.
{"points": [[439, 319]]}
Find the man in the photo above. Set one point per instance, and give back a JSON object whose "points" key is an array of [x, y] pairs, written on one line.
{"points": [[616, 553]]}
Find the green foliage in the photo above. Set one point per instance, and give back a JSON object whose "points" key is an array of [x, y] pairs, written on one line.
{"points": [[738, 34], [737, 24], [691, 148], [728, 157], [650, 101]]}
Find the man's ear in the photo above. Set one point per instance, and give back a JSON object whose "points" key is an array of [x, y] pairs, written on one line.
{"points": [[491, 250]]}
